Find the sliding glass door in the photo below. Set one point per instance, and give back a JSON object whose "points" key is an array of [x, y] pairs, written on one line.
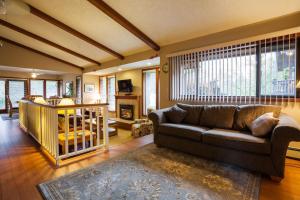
{"points": [[16, 91], [2, 95], [150, 89]]}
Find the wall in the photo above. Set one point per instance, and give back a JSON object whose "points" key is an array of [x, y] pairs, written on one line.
{"points": [[91, 97], [136, 77]]}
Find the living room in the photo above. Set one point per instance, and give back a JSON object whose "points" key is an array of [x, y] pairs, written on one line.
{"points": [[148, 99]]}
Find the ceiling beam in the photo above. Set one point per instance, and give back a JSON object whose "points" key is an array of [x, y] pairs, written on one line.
{"points": [[38, 52], [44, 40], [101, 5], [72, 31]]}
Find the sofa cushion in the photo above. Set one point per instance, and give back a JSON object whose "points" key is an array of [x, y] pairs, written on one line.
{"points": [[175, 115], [193, 113], [242, 141], [263, 125], [182, 130], [246, 114], [218, 116]]}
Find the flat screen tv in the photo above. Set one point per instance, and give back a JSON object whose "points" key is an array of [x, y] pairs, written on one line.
{"points": [[125, 85]]}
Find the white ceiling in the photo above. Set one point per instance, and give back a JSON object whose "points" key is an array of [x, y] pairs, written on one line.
{"points": [[164, 21], [126, 67]]}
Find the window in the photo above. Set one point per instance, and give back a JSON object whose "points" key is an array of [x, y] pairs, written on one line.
{"points": [[51, 88], [78, 89], [103, 90], [150, 81], [262, 71], [111, 92], [108, 91], [37, 87], [16, 91], [2, 94]]}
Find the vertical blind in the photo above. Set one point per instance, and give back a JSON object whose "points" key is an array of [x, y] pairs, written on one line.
{"points": [[261, 71]]}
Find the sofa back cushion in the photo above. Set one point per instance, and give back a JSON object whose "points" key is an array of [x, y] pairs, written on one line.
{"points": [[193, 113], [246, 114], [218, 116], [175, 115]]}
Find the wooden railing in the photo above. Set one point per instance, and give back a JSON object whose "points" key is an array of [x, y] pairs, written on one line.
{"points": [[65, 131]]}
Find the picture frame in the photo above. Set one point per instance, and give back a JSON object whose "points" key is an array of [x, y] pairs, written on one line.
{"points": [[89, 88]]}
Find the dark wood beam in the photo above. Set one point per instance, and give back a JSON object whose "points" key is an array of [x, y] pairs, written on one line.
{"points": [[38, 52], [44, 40], [101, 5], [72, 31]]}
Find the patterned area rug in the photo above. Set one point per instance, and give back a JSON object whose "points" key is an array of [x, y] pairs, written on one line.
{"points": [[158, 174]]}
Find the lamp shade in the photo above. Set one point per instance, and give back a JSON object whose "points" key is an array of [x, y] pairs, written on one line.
{"points": [[66, 102], [298, 84], [40, 100]]}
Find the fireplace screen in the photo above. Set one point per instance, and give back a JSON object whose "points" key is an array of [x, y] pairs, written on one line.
{"points": [[126, 112]]}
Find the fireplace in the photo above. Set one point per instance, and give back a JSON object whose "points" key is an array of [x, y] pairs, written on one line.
{"points": [[126, 111]]}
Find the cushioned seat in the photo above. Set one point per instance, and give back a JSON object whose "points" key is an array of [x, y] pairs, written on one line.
{"points": [[182, 130], [237, 140]]}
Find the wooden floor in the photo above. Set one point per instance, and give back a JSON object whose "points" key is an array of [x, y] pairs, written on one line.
{"points": [[23, 166]]}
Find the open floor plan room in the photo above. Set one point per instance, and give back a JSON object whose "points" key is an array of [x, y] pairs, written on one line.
{"points": [[149, 99]]}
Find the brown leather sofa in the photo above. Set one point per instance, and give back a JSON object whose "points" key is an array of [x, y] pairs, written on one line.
{"points": [[219, 132]]}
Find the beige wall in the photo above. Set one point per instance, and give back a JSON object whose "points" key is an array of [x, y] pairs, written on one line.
{"points": [[90, 97], [135, 76], [11, 55]]}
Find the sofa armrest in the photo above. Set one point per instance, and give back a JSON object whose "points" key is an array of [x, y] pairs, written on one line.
{"points": [[157, 117], [286, 131]]}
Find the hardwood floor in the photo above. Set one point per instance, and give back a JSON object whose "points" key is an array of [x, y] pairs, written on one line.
{"points": [[23, 166]]}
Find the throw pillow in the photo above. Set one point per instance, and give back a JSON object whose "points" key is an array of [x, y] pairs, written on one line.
{"points": [[175, 115], [263, 125]]}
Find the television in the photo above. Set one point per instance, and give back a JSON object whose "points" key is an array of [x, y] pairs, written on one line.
{"points": [[125, 85]]}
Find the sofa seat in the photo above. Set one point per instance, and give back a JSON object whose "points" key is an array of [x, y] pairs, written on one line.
{"points": [[242, 141], [186, 131]]}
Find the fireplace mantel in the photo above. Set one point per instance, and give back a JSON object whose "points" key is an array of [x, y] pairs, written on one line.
{"points": [[128, 97]]}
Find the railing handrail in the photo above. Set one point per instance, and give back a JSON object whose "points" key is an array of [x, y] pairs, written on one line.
{"points": [[67, 106]]}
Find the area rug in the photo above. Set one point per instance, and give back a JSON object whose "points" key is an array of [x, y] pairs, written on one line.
{"points": [[158, 174], [6, 116]]}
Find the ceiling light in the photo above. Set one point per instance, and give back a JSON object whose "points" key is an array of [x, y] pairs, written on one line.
{"points": [[120, 69], [33, 75], [3, 9], [149, 63]]}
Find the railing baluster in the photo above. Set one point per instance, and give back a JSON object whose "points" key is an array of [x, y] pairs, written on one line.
{"points": [[91, 128], [83, 128], [75, 131], [66, 132], [98, 127], [105, 127]]}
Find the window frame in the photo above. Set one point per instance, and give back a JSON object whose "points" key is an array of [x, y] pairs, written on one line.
{"points": [[59, 82]]}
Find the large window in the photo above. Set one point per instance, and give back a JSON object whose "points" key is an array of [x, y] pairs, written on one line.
{"points": [[111, 92], [51, 89], [150, 87], [37, 87], [108, 91], [16, 91], [103, 89], [262, 71]]}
